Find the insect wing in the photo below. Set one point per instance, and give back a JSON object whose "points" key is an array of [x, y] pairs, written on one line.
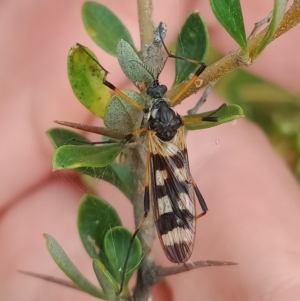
{"points": [[172, 196]]}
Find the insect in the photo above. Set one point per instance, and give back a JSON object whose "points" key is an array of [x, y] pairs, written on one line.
{"points": [[169, 185]]}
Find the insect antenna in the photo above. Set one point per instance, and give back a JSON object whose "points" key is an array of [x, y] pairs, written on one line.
{"points": [[176, 56], [95, 60]]}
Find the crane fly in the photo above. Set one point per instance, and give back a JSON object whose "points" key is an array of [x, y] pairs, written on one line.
{"points": [[169, 185]]}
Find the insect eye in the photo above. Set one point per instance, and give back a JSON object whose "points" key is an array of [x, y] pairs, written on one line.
{"points": [[149, 90], [164, 89]]}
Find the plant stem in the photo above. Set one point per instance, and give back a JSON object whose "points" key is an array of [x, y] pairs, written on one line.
{"points": [[137, 158], [147, 232], [145, 9]]}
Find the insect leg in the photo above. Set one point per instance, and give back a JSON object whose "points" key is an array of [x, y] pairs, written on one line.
{"points": [[216, 110], [76, 142], [137, 132], [188, 84], [201, 201], [191, 81], [110, 85], [122, 95], [187, 119], [146, 210]]}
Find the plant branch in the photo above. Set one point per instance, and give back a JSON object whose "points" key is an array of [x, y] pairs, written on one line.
{"points": [[158, 273], [137, 159], [59, 281], [91, 129], [147, 232], [237, 58], [145, 9], [172, 270]]}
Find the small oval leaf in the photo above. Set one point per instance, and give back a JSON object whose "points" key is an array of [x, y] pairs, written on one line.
{"points": [[104, 27], [86, 78], [116, 244], [278, 14], [118, 175], [192, 43], [75, 156], [225, 114], [132, 66], [95, 218], [66, 265], [229, 14], [106, 280], [121, 116]]}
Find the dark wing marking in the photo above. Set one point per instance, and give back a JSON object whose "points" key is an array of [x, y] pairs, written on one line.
{"points": [[172, 196]]}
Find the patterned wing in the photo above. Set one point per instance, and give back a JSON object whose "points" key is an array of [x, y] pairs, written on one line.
{"points": [[172, 196]]}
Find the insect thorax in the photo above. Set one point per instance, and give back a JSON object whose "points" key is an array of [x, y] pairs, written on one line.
{"points": [[163, 119]]}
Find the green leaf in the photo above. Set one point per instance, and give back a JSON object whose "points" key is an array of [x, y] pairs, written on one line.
{"points": [[75, 156], [124, 173], [132, 66], [192, 43], [278, 13], [60, 137], [115, 174], [121, 116], [66, 265], [229, 14], [104, 27], [225, 114], [116, 243], [106, 280], [118, 175], [95, 218], [86, 78]]}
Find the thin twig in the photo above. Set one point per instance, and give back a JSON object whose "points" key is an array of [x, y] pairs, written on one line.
{"points": [[168, 271], [91, 129], [59, 281], [259, 24], [202, 99], [158, 273]]}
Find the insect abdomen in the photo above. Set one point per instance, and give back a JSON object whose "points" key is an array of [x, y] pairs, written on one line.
{"points": [[177, 236]]}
